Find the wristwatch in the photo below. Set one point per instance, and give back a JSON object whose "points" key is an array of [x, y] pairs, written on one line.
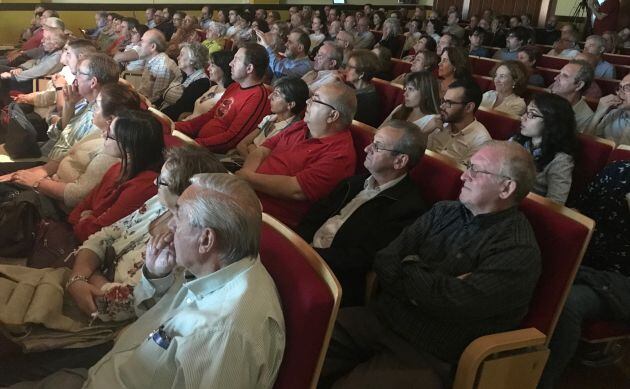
{"points": [[74, 279], [36, 184]]}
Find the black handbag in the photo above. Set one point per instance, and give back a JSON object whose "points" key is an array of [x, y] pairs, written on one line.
{"points": [[24, 130], [18, 228]]}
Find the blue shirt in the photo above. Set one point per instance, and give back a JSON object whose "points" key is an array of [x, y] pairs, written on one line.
{"points": [[480, 52], [506, 55], [288, 66], [604, 69]]}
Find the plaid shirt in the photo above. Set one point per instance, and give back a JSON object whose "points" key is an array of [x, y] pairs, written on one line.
{"points": [[158, 74], [80, 125]]}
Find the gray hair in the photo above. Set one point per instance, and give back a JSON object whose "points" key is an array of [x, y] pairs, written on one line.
{"points": [[411, 143], [516, 163], [58, 37], [344, 99], [157, 37], [198, 54], [586, 73], [229, 206], [219, 28], [336, 53], [598, 39], [103, 67], [394, 25]]}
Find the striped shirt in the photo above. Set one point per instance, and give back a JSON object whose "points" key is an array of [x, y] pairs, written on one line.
{"points": [[80, 125], [158, 74]]}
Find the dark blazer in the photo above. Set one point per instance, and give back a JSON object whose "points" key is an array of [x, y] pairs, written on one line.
{"points": [[370, 228]]}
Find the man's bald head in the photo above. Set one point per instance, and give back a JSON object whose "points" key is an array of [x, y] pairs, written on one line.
{"points": [[343, 98]]}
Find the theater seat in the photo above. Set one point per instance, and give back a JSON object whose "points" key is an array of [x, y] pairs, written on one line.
{"points": [[608, 87], [482, 66], [548, 74], [592, 155], [500, 125], [617, 59], [400, 67], [515, 359], [228, 44], [437, 177], [621, 71], [485, 83], [391, 95], [310, 296], [621, 153], [362, 135], [548, 61]]}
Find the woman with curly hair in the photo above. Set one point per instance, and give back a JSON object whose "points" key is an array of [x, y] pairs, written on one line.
{"points": [[548, 133], [180, 97], [510, 81]]}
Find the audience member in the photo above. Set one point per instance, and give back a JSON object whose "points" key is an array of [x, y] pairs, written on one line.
{"points": [[303, 163], [424, 60], [476, 41], [509, 84], [364, 37], [180, 97], [390, 39], [453, 66], [350, 24], [566, 46], [445, 41], [340, 226], [345, 41], [378, 17], [421, 102], [453, 27], [462, 135], [319, 34], [528, 55], [287, 102], [606, 15], [516, 38], [433, 26], [612, 116], [215, 37], [187, 33], [610, 41], [150, 14], [595, 46], [574, 78], [325, 67], [384, 56], [166, 25], [551, 33], [593, 91], [601, 287], [548, 133], [220, 74], [129, 57], [296, 61], [362, 66], [240, 109], [433, 298], [159, 70], [136, 138]]}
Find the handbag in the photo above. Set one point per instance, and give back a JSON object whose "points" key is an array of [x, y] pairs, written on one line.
{"points": [[23, 131], [54, 245], [18, 228]]}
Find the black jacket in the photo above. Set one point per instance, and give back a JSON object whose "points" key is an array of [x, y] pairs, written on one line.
{"points": [[370, 228]]}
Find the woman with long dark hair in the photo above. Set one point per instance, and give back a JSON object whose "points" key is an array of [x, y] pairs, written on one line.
{"points": [[421, 101], [453, 65], [548, 133], [137, 138]]}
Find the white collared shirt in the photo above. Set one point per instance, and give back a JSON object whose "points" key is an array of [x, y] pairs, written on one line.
{"points": [[461, 145]]}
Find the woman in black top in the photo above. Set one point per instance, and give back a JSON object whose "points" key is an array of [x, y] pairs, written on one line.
{"points": [[362, 66]]}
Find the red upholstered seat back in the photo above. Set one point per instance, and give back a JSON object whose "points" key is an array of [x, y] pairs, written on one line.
{"points": [[608, 87], [547, 61], [399, 67], [436, 178], [362, 135], [391, 95], [621, 71], [598, 330], [484, 82], [621, 153], [500, 126], [307, 305], [401, 42], [561, 240], [482, 66], [592, 156], [620, 59], [228, 45], [548, 74]]}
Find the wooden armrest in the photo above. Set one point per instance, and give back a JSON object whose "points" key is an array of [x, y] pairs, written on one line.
{"points": [[479, 350]]}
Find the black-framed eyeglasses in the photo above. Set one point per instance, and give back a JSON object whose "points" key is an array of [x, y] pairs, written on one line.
{"points": [[472, 169], [532, 115], [159, 182], [377, 147], [624, 88], [312, 100], [109, 136], [449, 103]]}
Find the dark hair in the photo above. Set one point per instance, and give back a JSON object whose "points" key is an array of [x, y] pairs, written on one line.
{"points": [[247, 17], [81, 46], [140, 139], [185, 161], [437, 25], [480, 31], [431, 44], [142, 28], [262, 25], [520, 33], [459, 60], [131, 23], [257, 56], [117, 97], [222, 59], [412, 143], [294, 89], [426, 83], [366, 62], [103, 68], [472, 92], [381, 16], [559, 133], [532, 52], [303, 39], [322, 18]]}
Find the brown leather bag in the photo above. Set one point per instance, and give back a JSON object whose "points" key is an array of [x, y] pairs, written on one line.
{"points": [[54, 245]]}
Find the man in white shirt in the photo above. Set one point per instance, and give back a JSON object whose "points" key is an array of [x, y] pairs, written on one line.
{"points": [[462, 135], [574, 78], [325, 67], [364, 37], [210, 313]]}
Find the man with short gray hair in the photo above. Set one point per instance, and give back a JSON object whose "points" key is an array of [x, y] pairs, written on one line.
{"points": [[595, 45], [303, 163], [341, 226], [159, 69], [325, 67], [464, 269], [571, 83], [364, 37]]}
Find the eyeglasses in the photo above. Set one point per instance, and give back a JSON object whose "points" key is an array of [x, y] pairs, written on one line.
{"points": [[449, 103], [312, 100], [158, 181], [624, 88], [377, 147], [109, 136], [474, 171], [532, 115]]}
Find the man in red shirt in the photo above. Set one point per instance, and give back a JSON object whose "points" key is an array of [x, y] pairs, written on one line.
{"points": [[240, 109], [606, 15], [307, 160]]}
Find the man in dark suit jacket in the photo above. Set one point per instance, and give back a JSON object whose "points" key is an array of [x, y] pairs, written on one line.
{"points": [[366, 212]]}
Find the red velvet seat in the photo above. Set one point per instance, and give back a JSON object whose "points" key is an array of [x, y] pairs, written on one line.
{"points": [[437, 177], [608, 87], [592, 156], [391, 95], [310, 296], [621, 153], [228, 44], [547, 61], [400, 67], [362, 135], [484, 82], [621, 71], [617, 59], [500, 125], [401, 43], [377, 35], [548, 74], [482, 66]]}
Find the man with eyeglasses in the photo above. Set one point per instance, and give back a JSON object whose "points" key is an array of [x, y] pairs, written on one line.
{"points": [[341, 226], [462, 270], [516, 38], [325, 67], [462, 135], [612, 116], [364, 37], [305, 161]]}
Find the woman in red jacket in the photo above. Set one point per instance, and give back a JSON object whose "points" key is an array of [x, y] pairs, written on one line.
{"points": [[136, 136]]}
